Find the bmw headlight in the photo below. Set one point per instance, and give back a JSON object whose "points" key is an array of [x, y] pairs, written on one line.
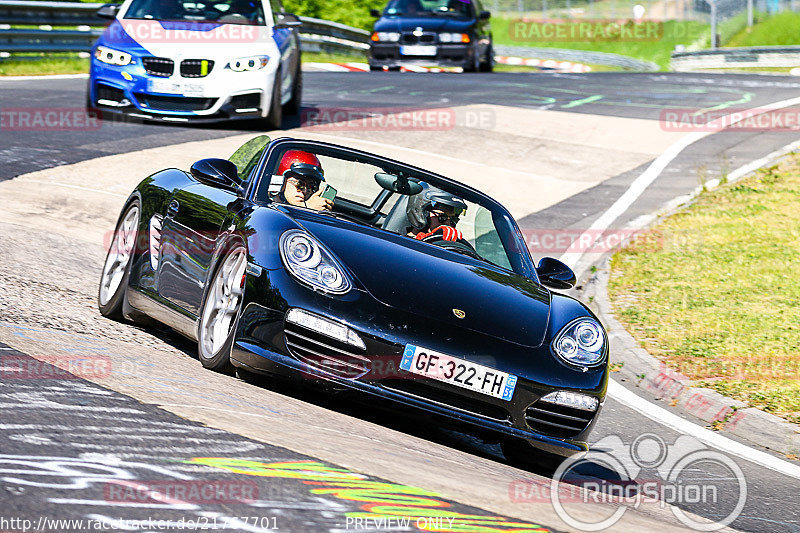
{"points": [[309, 262], [581, 342], [386, 36], [112, 57], [453, 37], [247, 64]]}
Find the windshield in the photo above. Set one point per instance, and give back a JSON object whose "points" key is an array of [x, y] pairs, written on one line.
{"points": [[246, 12], [483, 230], [415, 8]]}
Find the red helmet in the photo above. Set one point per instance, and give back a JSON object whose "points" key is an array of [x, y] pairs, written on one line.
{"points": [[303, 164]]}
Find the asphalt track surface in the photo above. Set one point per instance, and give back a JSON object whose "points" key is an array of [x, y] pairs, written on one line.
{"points": [[771, 501]]}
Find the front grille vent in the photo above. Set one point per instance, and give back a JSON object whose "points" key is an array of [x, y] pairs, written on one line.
{"points": [[557, 420], [155, 240], [158, 66], [196, 68], [110, 96], [410, 38], [325, 353], [175, 103], [459, 400]]}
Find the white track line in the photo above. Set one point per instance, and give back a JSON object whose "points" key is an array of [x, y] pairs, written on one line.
{"points": [[78, 187], [671, 420], [577, 261], [49, 77]]}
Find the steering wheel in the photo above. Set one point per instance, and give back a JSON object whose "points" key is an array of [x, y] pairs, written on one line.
{"points": [[461, 245]]}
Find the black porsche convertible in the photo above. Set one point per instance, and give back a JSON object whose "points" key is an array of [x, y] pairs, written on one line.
{"points": [[464, 327]]}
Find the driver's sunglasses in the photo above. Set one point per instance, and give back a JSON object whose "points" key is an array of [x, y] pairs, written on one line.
{"points": [[304, 186], [445, 217]]}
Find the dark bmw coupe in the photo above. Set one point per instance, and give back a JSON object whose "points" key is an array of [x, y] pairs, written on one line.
{"points": [[458, 323], [449, 33]]}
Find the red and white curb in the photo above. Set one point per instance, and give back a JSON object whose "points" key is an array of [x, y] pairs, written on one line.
{"points": [[549, 64], [363, 67]]}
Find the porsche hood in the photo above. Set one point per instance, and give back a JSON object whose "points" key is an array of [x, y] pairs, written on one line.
{"points": [[437, 284]]}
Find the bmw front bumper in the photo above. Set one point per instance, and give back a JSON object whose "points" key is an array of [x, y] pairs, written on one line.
{"points": [[221, 95], [447, 55]]}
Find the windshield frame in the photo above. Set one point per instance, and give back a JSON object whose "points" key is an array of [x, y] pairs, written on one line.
{"points": [[512, 240], [265, 8], [426, 13]]}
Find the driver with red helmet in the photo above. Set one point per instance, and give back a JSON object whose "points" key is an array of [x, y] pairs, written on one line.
{"points": [[302, 176], [434, 213]]}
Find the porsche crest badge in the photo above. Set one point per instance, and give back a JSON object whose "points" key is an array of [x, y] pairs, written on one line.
{"points": [[459, 313]]}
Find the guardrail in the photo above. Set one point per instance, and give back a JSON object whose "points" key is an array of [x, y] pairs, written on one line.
{"points": [[316, 35], [736, 58], [577, 56]]}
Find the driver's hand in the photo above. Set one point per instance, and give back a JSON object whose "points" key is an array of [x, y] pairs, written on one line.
{"points": [[319, 203]]}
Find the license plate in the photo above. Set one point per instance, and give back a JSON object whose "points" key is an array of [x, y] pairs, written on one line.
{"points": [[172, 87], [418, 50], [459, 372]]}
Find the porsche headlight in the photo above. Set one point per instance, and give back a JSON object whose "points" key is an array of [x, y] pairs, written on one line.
{"points": [[111, 56], [247, 64], [308, 261], [581, 342]]}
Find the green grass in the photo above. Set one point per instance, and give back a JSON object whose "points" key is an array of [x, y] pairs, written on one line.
{"points": [[53, 64], [781, 29], [657, 51], [713, 290]]}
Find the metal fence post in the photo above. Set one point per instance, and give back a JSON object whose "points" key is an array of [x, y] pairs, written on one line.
{"points": [[713, 4]]}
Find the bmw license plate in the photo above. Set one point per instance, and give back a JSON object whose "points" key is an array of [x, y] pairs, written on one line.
{"points": [[167, 86], [459, 372], [418, 50]]}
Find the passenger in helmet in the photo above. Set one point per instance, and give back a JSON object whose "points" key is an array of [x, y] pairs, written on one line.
{"points": [[435, 213], [302, 176]]}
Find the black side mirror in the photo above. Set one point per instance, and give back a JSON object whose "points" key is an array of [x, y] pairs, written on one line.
{"points": [[375, 13], [555, 274], [108, 11], [217, 173], [484, 15], [287, 20]]}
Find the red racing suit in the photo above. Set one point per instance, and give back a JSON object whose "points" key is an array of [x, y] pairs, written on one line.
{"points": [[448, 234]]}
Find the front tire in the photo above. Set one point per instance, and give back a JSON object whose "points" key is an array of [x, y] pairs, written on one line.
{"points": [[274, 120], [220, 310], [117, 267], [488, 64], [293, 106]]}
